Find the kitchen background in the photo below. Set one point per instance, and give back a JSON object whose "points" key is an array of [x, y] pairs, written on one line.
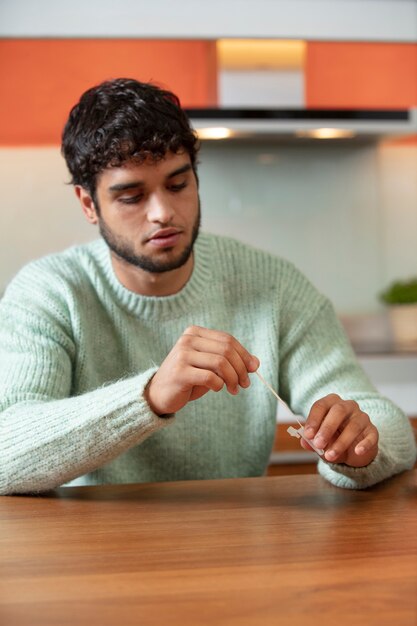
{"points": [[344, 211]]}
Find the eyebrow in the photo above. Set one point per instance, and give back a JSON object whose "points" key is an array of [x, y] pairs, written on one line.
{"points": [[139, 183]]}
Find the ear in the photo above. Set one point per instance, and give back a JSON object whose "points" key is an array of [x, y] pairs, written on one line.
{"points": [[87, 204]]}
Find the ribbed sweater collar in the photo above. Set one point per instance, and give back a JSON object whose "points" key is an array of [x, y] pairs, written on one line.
{"points": [[162, 307]]}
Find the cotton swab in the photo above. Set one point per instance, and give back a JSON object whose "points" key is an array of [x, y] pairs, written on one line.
{"points": [[262, 379], [294, 432]]}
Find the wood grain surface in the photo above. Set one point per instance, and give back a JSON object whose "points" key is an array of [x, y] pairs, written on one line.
{"points": [[283, 550]]}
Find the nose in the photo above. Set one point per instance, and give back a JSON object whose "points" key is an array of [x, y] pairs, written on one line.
{"points": [[159, 209]]}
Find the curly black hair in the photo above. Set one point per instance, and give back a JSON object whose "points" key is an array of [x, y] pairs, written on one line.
{"points": [[121, 120]]}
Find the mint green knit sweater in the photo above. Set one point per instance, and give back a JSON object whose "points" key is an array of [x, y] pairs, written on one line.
{"points": [[77, 350]]}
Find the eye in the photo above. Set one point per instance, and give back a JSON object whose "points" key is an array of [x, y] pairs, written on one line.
{"points": [[178, 187], [130, 199]]}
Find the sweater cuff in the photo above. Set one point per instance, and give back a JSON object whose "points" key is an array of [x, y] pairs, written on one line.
{"points": [[144, 380], [348, 477]]}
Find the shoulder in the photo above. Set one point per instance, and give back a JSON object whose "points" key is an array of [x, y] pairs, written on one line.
{"points": [[46, 282], [247, 269], [59, 266], [236, 249], [243, 258]]}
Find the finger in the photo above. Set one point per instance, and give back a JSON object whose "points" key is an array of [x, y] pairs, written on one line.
{"points": [[317, 414], [368, 442], [219, 365], [188, 383], [226, 349], [198, 392], [340, 413], [198, 377], [305, 445], [351, 433], [251, 362], [216, 355]]}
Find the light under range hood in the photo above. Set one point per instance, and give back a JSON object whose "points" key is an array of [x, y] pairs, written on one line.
{"points": [[302, 124]]}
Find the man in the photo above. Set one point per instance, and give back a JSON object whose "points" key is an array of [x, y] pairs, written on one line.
{"points": [[130, 358]]}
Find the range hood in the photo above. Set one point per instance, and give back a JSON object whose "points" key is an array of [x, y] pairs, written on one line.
{"points": [[304, 124]]}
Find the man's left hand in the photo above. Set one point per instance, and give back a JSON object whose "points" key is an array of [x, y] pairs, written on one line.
{"points": [[343, 430]]}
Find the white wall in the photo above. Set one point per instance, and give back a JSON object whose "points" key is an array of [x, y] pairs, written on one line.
{"points": [[39, 212], [354, 20]]}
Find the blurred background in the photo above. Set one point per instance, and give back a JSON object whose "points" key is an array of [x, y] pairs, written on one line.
{"points": [[344, 210], [335, 191]]}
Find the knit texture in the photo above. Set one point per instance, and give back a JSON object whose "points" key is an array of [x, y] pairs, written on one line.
{"points": [[77, 350]]}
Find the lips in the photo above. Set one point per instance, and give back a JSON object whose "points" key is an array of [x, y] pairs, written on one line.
{"points": [[165, 237]]}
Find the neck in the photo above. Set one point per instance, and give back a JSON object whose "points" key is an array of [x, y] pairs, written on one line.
{"points": [[151, 284]]}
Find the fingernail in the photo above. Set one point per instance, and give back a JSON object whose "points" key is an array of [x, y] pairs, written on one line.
{"points": [[319, 442], [331, 454], [254, 362], [360, 450], [245, 383], [309, 432]]}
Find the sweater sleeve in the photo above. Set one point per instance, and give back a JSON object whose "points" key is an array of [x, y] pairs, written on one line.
{"points": [[47, 437], [317, 359]]}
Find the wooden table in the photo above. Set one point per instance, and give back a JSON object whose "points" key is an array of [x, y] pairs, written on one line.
{"points": [[260, 551]]}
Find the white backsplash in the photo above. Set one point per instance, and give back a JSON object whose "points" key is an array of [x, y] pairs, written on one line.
{"points": [[345, 214]]}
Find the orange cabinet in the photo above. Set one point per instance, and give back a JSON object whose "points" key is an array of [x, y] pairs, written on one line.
{"points": [[360, 75], [42, 79]]}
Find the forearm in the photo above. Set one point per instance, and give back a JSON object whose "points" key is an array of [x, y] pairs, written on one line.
{"points": [[45, 444], [320, 361]]}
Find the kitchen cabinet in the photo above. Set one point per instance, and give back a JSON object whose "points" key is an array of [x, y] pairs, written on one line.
{"points": [[360, 75], [42, 79]]}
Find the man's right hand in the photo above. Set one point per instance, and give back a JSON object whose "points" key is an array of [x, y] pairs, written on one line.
{"points": [[202, 360]]}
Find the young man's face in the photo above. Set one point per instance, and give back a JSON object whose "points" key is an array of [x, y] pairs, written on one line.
{"points": [[148, 213]]}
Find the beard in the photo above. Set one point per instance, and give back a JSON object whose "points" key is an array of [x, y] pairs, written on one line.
{"points": [[125, 251]]}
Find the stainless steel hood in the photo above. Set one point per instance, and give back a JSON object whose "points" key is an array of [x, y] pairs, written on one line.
{"points": [[296, 124]]}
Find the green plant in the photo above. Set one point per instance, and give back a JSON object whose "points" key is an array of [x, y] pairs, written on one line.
{"points": [[400, 292]]}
